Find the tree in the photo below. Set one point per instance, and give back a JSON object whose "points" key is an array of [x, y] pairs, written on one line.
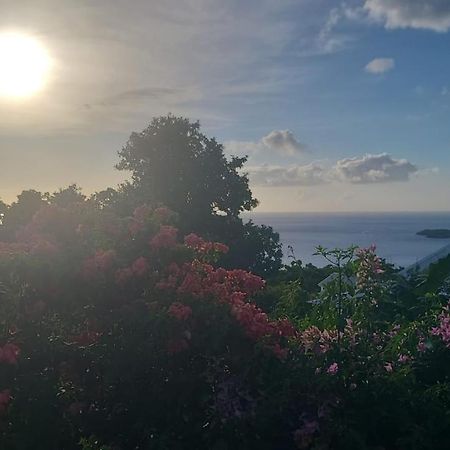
{"points": [[3, 209], [21, 211], [173, 163], [67, 196]]}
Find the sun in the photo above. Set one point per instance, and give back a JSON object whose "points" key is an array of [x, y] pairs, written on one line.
{"points": [[24, 65]]}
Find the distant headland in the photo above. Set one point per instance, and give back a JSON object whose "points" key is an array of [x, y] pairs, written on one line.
{"points": [[435, 234]]}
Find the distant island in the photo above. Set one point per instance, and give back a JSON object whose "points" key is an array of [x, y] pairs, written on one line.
{"points": [[435, 234]]}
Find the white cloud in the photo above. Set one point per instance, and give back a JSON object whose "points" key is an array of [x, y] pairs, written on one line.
{"points": [[295, 175], [283, 141], [423, 14], [381, 168], [380, 65], [368, 169]]}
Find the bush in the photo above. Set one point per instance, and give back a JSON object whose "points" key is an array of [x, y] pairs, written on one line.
{"points": [[121, 333]]}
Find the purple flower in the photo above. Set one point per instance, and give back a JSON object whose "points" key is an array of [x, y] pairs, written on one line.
{"points": [[333, 369]]}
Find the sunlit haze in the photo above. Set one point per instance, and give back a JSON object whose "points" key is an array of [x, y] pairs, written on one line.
{"points": [[340, 106], [24, 65]]}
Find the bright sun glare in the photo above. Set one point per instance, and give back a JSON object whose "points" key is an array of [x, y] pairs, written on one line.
{"points": [[24, 65]]}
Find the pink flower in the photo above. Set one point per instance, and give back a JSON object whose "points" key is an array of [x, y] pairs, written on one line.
{"points": [[333, 369], [443, 328], [140, 267], [421, 346], [388, 367], [101, 262], [165, 238], [180, 311], [9, 353], [200, 245], [193, 241], [220, 248], [404, 359]]}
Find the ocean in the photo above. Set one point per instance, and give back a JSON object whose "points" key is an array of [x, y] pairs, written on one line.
{"points": [[394, 234]]}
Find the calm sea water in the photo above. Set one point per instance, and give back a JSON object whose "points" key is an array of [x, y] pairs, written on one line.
{"points": [[394, 234]]}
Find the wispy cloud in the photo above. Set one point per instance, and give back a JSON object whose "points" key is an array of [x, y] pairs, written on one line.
{"points": [[422, 14], [295, 175]]}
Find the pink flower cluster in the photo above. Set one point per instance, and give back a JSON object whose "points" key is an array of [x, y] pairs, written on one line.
{"points": [[201, 246], [232, 287], [369, 267], [443, 329], [101, 262], [9, 353], [333, 369], [165, 238], [180, 311], [140, 216], [139, 268], [317, 341]]}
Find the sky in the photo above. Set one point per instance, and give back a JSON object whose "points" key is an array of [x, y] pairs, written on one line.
{"points": [[340, 106]]}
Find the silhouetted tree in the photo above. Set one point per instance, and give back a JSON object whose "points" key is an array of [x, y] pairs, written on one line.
{"points": [[21, 211], [67, 196], [174, 164], [3, 209]]}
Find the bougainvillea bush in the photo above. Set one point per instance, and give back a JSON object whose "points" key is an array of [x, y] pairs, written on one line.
{"points": [[120, 333]]}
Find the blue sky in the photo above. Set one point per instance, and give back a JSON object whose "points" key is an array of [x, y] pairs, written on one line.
{"points": [[339, 105]]}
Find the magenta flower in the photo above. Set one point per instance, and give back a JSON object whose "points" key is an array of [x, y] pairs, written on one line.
{"points": [[333, 369]]}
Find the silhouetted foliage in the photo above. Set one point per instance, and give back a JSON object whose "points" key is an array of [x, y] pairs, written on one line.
{"points": [[67, 196], [3, 209], [174, 164], [21, 211]]}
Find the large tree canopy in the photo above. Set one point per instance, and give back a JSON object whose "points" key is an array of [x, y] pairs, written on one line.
{"points": [[173, 163]]}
